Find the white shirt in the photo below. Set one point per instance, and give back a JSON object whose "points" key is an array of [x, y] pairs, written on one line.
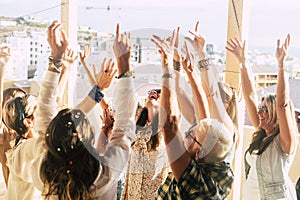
{"points": [[250, 188]]}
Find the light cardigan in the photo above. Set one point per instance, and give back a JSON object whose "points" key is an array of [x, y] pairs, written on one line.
{"points": [[25, 161]]}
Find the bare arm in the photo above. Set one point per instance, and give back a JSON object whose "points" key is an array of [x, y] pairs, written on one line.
{"points": [[178, 157], [284, 109], [208, 81], [199, 97], [184, 103], [69, 58], [83, 56], [47, 107], [238, 49]]}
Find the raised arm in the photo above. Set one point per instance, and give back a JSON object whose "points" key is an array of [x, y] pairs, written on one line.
{"points": [[83, 56], [238, 48], [199, 97], [92, 77], [284, 107], [69, 59], [177, 154], [184, 103], [104, 79], [123, 133], [209, 83], [47, 107]]}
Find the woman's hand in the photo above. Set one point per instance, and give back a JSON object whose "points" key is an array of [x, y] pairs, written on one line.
{"points": [[165, 49], [85, 55], [122, 49], [236, 47], [107, 121], [107, 73], [58, 44], [281, 52], [198, 42], [188, 61], [69, 57]]}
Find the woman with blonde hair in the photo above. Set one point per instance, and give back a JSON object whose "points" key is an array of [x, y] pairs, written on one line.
{"points": [[273, 146]]}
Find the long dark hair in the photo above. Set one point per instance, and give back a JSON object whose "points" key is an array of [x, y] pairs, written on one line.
{"points": [[71, 164]]}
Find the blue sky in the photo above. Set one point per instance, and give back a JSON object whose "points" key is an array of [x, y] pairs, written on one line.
{"points": [[269, 19]]}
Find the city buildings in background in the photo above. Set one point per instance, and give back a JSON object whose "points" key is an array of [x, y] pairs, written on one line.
{"points": [[27, 39]]}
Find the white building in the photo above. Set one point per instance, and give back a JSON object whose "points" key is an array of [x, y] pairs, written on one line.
{"points": [[39, 52], [18, 64], [8, 23]]}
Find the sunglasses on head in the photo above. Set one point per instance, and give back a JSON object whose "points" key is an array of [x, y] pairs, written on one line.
{"points": [[189, 134], [263, 108]]}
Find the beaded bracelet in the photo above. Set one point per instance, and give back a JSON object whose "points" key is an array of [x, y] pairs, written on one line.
{"points": [[203, 64], [96, 94], [176, 65]]}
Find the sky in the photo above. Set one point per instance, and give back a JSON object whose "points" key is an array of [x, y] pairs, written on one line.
{"points": [[267, 21]]}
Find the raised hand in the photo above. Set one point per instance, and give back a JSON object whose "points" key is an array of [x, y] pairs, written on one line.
{"points": [[58, 44], [236, 47], [4, 57], [188, 60], [107, 121], [121, 49], [105, 76], [165, 49], [69, 57], [86, 53], [198, 42], [281, 51], [83, 57]]}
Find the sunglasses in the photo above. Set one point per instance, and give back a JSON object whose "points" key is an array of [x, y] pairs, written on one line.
{"points": [[157, 91], [263, 108], [189, 134]]}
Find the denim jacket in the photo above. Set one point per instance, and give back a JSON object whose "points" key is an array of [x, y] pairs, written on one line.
{"points": [[272, 167]]}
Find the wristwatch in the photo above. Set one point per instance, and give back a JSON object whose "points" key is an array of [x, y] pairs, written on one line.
{"points": [[126, 74]]}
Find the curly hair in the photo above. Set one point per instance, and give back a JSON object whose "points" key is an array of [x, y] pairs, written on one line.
{"points": [[71, 164]]}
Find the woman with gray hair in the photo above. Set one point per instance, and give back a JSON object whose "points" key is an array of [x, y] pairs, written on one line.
{"points": [[197, 161]]}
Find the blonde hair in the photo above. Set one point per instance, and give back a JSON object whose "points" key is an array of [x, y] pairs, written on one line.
{"points": [[260, 141], [271, 105], [228, 96]]}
